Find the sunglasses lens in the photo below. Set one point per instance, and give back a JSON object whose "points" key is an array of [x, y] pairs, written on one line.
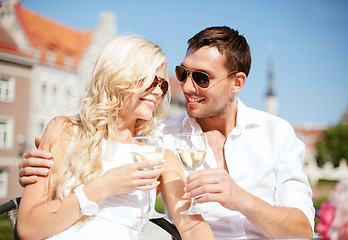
{"points": [[163, 85], [164, 88], [181, 73], [202, 79], [153, 85]]}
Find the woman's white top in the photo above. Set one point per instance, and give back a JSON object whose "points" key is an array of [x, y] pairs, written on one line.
{"points": [[119, 216]]}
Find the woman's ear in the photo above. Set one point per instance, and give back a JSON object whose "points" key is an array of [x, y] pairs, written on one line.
{"points": [[239, 82]]}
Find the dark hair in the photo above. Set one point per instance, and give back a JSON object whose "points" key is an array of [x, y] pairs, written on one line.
{"points": [[228, 42]]}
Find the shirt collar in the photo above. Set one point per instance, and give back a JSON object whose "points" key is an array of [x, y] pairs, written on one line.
{"points": [[189, 124]]}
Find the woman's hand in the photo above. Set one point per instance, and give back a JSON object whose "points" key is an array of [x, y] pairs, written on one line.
{"points": [[132, 177]]}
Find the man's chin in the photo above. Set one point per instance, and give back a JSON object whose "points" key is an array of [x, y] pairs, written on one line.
{"points": [[194, 114], [201, 115]]}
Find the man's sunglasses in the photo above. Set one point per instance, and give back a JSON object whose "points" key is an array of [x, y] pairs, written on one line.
{"points": [[162, 83], [200, 78]]}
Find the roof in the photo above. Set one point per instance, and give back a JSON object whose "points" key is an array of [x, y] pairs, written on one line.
{"points": [[344, 119], [6, 41], [309, 135], [53, 37], [8, 45]]}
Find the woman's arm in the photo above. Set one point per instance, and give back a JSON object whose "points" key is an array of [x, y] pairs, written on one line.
{"points": [[40, 217], [172, 187]]}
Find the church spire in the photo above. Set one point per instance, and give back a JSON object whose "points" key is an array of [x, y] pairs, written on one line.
{"points": [[271, 101], [270, 91]]}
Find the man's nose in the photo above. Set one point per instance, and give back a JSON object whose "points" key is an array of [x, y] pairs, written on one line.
{"points": [[189, 85]]}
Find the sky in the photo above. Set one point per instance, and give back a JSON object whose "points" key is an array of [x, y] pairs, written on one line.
{"points": [[307, 41]]}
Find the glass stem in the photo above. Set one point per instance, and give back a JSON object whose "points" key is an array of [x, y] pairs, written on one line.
{"points": [[193, 203], [149, 200]]}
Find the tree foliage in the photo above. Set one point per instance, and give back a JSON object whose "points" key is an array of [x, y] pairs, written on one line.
{"points": [[333, 145]]}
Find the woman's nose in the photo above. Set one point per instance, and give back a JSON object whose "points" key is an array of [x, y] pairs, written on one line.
{"points": [[157, 90]]}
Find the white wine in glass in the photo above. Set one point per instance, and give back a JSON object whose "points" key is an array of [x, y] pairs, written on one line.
{"points": [[148, 148], [191, 159], [191, 150]]}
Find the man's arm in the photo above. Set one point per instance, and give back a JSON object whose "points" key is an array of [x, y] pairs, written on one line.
{"points": [[271, 221], [34, 163]]}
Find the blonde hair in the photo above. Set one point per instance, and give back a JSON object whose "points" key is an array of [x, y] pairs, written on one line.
{"points": [[122, 65]]}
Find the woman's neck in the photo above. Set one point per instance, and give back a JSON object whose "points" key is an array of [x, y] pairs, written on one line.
{"points": [[124, 135]]}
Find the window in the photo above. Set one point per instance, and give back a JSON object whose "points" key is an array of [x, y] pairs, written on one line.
{"points": [[69, 61], [7, 88], [42, 127], [68, 96], [6, 128], [44, 92], [50, 57], [54, 95], [3, 183]]}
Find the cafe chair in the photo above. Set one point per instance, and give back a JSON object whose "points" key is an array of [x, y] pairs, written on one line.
{"points": [[11, 208]]}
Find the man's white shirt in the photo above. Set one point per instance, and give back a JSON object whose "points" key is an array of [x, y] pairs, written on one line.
{"points": [[264, 157]]}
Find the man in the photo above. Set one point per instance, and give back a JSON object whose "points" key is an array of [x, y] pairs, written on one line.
{"points": [[252, 184]]}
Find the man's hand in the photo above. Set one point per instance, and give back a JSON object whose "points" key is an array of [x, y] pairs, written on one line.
{"points": [[216, 185], [34, 163]]}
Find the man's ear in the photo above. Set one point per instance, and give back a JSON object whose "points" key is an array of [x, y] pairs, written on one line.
{"points": [[239, 82]]}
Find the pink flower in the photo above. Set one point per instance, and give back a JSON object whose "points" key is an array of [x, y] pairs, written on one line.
{"points": [[326, 215]]}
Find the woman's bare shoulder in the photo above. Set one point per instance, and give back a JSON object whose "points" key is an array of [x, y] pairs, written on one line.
{"points": [[60, 122], [58, 128]]}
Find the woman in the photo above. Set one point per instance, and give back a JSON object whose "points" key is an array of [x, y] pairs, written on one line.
{"points": [[93, 163]]}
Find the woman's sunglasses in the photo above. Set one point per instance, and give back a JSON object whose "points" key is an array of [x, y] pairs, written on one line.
{"points": [[200, 78], [162, 83]]}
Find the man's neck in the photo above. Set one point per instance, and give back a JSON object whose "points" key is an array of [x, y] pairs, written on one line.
{"points": [[223, 124]]}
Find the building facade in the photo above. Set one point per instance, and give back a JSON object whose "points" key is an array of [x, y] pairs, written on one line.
{"points": [[44, 66]]}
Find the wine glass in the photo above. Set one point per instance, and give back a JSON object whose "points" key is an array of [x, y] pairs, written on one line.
{"points": [[147, 148], [191, 149]]}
